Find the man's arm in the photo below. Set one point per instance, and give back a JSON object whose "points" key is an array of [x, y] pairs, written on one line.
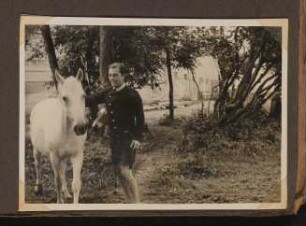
{"points": [[139, 114], [95, 99], [139, 121]]}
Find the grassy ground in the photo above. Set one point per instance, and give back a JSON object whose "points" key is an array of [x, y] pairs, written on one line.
{"points": [[241, 172], [236, 171]]}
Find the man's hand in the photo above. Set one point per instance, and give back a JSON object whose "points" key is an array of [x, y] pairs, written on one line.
{"points": [[135, 144], [101, 119]]}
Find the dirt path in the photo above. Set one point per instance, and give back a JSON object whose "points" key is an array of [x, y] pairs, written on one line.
{"points": [[147, 174]]}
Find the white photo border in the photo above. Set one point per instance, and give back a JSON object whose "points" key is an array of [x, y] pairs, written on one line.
{"points": [[44, 20]]}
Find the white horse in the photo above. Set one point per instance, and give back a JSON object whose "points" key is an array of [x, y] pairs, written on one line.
{"points": [[58, 129]]}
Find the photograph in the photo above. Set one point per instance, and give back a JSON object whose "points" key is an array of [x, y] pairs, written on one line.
{"points": [[152, 114]]}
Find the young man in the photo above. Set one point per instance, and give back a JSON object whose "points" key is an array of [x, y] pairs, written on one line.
{"points": [[126, 123]]}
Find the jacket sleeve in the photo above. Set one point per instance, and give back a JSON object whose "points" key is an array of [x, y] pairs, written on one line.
{"points": [[139, 117], [95, 99]]}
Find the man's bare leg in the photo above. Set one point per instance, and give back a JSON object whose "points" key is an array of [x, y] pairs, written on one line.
{"points": [[133, 188], [120, 173], [129, 184]]}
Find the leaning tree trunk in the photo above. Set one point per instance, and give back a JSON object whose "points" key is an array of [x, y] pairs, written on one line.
{"points": [[106, 54], [200, 95], [49, 47], [168, 64]]}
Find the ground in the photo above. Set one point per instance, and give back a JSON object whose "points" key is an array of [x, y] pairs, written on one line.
{"points": [[239, 172]]}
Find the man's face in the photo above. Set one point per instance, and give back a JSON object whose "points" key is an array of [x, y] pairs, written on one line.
{"points": [[115, 77]]}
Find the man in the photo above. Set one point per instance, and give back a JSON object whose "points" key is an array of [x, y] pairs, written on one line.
{"points": [[126, 122]]}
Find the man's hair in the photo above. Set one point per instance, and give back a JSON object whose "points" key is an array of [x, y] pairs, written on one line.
{"points": [[122, 68]]}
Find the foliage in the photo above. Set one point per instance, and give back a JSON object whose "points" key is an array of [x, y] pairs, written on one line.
{"points": [[34, 43], [208, 134], [143, 51], [78, 47], [132, 46], [250, 69], [249, 59], [182, 42], [179, 47], [146, 51], [141, 48]]}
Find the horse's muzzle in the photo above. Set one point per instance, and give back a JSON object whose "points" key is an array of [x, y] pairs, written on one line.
{"points": [[80, 129]]}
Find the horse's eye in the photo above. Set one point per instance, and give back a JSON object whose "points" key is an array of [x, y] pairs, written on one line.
{"points": [[65, 99]]}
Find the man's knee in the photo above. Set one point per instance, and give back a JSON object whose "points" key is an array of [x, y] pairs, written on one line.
{"points": [[123, 171]]}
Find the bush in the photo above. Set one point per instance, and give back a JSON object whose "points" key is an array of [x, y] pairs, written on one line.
{"points": [[205, 133]]}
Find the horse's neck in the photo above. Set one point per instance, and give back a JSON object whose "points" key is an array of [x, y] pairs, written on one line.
{"points": [[64, 122]]}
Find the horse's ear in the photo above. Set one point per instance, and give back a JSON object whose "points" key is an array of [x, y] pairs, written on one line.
{"points": [[58, 77], [80, 75]]}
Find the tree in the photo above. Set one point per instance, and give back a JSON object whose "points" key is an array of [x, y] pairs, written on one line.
{"points": [[78, 47], [49, 47], [169, 71], [133, 46], [250, 70], [106, 54], [146, 51], [178, 47]]}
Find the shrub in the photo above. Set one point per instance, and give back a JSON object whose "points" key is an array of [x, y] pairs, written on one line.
{"points": [[206, 133]]}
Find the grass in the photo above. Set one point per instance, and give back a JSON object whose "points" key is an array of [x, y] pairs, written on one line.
{"points": [[228, 170]]}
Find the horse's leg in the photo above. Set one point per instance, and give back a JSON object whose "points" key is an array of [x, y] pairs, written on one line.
{"points": [[37, 162], [77, 162], [55, 162], [62, 173]]}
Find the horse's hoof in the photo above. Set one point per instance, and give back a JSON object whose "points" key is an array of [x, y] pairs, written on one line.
{"points": [[38, 189]]}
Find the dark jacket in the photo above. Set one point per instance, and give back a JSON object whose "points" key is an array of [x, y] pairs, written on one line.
{"points": [[124, 109]]}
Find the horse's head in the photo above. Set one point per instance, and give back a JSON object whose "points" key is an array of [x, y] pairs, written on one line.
{"points": [[73, 97]]}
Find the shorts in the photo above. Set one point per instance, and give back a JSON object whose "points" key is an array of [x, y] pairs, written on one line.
{"points": [[120, 143]]}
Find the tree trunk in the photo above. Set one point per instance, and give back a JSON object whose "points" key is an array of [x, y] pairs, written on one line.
{"points": [[90, 57], [90, 61], [200, 95], [168, 64], [106, 54], [49, 47]]}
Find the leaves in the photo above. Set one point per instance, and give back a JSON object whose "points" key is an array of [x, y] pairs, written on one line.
{"points": [[34, 44], [250, 70], [249, 58]]}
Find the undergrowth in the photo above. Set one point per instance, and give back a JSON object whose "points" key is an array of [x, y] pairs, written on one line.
{"points": [[205, 143]]}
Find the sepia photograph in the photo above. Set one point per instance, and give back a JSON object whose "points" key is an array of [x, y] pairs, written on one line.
{"points": [[129, 113]]}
